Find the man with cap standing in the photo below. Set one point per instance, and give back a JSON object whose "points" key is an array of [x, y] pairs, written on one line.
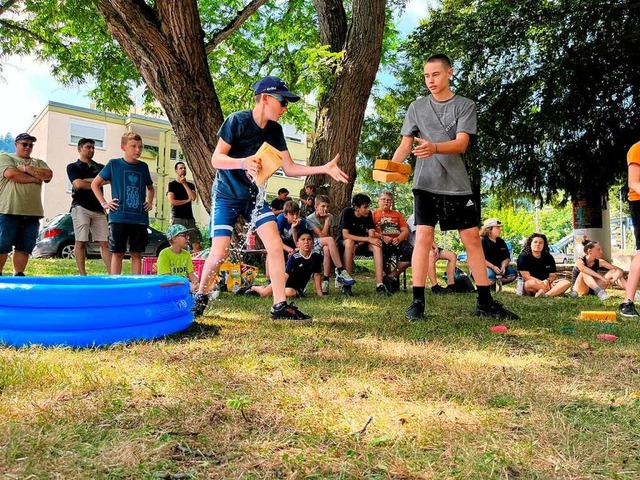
{"points": [[235, 192], [20, 202]]}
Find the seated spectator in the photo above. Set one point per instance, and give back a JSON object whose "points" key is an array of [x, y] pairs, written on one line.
{"points": [[357, 235], [436, 254], [300, 266], [176, 259], [277, 204], [307, 200], [290, 225], [393, 230], [586, 278], [321, 223], [538, 269], [496, 253]]}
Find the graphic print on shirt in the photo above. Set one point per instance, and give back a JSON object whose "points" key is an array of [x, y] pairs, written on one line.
{"points": [[133, 181]]}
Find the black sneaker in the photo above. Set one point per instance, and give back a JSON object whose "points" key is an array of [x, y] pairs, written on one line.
{"points": [[392, 284], [628, 309], [495, 309], [18, 274], [438, 290], [285, 311], [415, 312], [200, 302], [382, 290], [346, 291]]}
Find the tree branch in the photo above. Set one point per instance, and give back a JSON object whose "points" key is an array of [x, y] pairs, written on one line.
{"points": [[7, 6], [221, 35], [14, 26]]}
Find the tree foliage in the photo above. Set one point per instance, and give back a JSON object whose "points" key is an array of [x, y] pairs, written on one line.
{"points": [[556, 86]]}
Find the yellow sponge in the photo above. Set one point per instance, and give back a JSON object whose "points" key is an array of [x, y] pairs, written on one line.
{"points": [[597, 315], [380, 176], [389, 166]]}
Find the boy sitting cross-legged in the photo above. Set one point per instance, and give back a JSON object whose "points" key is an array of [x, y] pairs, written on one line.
{"points": [[321, 222], [176, 259], [300, 266]]}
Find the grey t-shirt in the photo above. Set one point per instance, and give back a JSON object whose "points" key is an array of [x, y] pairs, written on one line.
{"points": [[441, 122]]}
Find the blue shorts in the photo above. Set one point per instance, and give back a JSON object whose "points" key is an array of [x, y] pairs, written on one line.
{"points": [[226, 211], [19, 231]]}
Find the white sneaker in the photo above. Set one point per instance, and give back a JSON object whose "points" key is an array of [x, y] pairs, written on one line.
{"points": [[344, 278], [602, 295], [325, 287]]}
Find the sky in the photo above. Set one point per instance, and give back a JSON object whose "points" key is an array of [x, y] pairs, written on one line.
{"points": [[26, 85]]}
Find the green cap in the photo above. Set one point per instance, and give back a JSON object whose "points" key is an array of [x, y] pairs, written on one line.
{"points": [[174, 230]]}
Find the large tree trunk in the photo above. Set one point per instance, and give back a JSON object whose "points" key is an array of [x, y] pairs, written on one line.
{"points": [[167, 46], [341, 110]]}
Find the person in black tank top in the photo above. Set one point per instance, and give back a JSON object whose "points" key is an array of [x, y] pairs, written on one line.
{"points": [[586, 278]]}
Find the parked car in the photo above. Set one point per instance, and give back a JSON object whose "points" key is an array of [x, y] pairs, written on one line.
{"points": [[558, 255], [56, 239]]}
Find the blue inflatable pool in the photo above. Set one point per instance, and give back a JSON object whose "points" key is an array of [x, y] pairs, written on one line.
{"points": [[92, 311]]}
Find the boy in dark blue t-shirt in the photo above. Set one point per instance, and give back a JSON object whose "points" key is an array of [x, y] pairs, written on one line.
{"points": [[234, 190], [132, 195], [290, 225]]}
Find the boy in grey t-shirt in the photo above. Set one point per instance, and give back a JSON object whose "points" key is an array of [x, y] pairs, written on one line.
{"points": [[442, 124]]}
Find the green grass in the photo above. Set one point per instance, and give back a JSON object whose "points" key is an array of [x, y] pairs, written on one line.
{"points": [[358, 394]]}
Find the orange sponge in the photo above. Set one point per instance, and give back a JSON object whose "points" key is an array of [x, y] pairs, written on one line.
{"points": [[599, 316], [389, 166], [380, 176]]}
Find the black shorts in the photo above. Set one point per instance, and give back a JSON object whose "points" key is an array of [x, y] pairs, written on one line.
{"points": [[404, 251], [453, 212], [634, 210], [135, 234]]}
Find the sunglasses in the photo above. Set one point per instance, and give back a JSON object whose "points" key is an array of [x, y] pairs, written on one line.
{"points": [[26, 144], [185, 235], [283, 101]]}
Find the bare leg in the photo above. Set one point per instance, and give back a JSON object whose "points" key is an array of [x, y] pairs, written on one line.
{"points": [[333, 250], [3, 261], [106, 255], [633, 278], [451, 259], [20, 260], [219, 253], [326, 266], [116, 263], [270, 237], [136, 263], [377, 262], [559, 288], [475, 256], [349, 251], [420, 258], [80, 254], [431, 269]]}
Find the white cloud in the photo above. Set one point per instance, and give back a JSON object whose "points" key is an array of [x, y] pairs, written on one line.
{"points": [[26, 85]]}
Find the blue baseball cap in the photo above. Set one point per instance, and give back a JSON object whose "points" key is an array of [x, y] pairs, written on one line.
{"points": [[25, 136], [274, 85]]}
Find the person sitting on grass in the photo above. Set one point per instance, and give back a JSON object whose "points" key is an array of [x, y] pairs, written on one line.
{"points": [[300, 266], [538, 269], [358, 236], [321, 223], [436, 254], [290, 224], [496, 253], [176, 259], [586, 278]]}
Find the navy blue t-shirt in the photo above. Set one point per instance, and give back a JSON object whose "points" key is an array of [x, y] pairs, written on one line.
{"points": [[285, 230], [245, 137], [129, 183], [300, 269]]}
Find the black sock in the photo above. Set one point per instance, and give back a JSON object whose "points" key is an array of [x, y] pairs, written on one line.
{"points": [[418, 293], [325, 278], [280, 306], [339, 269], [484, 294]]}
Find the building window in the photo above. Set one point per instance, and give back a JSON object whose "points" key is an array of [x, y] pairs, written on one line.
{"points": [[290, 133], [80, 129]]}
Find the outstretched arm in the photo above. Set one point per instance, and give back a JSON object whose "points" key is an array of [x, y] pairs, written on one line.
{"points": [[331, 168]]}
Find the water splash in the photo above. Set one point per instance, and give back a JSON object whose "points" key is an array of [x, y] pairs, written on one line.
{"points": [[237, 250]]}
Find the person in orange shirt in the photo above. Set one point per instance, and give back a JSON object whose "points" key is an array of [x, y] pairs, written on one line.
{"points": [[627, 308], [392, 229]]}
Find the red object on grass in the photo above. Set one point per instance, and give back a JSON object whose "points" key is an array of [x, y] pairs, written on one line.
{"points": [[499, 329], [606, 336]]}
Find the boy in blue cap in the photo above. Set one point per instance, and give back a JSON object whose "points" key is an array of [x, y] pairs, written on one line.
{"points": [[234, 190]]}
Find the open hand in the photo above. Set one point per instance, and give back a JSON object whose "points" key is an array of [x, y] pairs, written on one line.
{"points": [[334, 170], [424, 149]]}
